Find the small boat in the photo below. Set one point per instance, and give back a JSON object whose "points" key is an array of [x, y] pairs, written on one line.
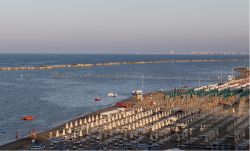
{"points": [[111, 94], [28, 117], [97, 99]]}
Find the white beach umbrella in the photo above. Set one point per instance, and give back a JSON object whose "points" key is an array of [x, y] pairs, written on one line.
{"points": [[133, 112], [69, 131], [87, 131], [100, 122], [114, 124], [153, 128], [136, 124], [57, 133], [91, 124], [80, 133], [129, 127], [63, 133], [96, 123], [80, 122], [89, 119], [71, 125], [67, 126], [97, 117], [110, 126], [133, 126], [130, 120], [93, 118], [85, 121], [76, 124], [126, 120], [50, 134], [150, 119]]}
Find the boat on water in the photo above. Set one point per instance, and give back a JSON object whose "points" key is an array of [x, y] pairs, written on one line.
{"points": [[28, 117], [97, 99], [112, 94]]}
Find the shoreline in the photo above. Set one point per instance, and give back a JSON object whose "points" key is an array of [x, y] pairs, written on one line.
{"points": [[43, 136], [50, 67]]}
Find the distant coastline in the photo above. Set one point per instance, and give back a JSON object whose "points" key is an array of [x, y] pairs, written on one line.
{"points": [[49, 67]]}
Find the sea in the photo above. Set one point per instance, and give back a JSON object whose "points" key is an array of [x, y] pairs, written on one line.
{"points": [[59, 95]]}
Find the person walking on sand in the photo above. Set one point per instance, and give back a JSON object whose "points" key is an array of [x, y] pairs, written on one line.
{"points": [[17, 136]]}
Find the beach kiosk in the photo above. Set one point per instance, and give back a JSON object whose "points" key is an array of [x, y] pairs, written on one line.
{"points": [[137, 95]]}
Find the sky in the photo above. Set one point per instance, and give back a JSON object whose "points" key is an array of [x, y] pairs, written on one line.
{"points": [[123, 26]]}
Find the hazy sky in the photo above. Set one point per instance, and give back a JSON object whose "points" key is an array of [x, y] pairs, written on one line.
{"points": [[123, 26]]}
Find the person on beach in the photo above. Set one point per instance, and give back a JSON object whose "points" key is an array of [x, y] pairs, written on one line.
{"points": [[17, 136]]}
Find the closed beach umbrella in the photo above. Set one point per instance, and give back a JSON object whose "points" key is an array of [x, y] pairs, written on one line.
{"points": [[50, 134], [130, 120], [136, 124], [80, 133], [96, 123], [91, 124], [89, 119], [67, 126], [153, 128], [114, 124], [93, 118], [100, 122], [97, 117], [129, 127], [80, 122], [57, 133], [69, 131], [76, 124], [133, 126], [85, 121], [71, 125], [110, 126], [63, 133]]}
